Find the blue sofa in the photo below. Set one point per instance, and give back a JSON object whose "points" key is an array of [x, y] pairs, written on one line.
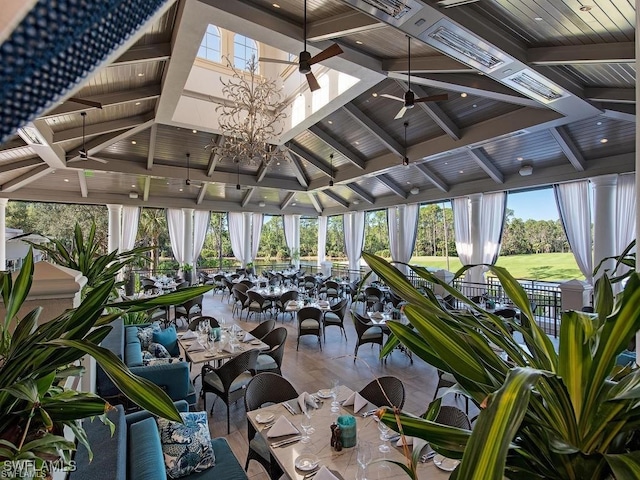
{"points": [[173, 378], [134, 451]]}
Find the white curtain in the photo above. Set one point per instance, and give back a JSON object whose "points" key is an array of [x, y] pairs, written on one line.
{"points": [[462, 229], [574, 208], [130, 218], [201, 219], [236, 234], [258, 220], [402, 222], [492, 214], [322, 239], [289, 231], [175, 222], [353, 225], [625, 218]]}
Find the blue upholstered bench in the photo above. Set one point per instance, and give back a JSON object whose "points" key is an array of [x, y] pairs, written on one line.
{"points": [[134, 451]]}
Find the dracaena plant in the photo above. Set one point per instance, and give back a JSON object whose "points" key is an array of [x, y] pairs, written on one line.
{"points": [[566, 414], [35, 358]]}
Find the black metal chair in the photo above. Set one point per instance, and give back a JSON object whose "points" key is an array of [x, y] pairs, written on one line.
{"points": [[258, 304], [335, 317], [384, 392], [271, 360], [265, 389], [309, 323], [229, 381], [263, 329], [366, 331]]}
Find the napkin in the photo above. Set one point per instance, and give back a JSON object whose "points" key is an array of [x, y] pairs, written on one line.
{"points": [[248, 337], [357, 400], [196, 347], [189, 334], [408, 441], [228, 348], [325, 474], [282, 427], [377, 315], [305, 400]]}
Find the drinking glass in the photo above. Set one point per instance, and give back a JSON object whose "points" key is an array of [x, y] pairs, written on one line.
{"points": [[364, 455], [335, 387], [305, 424], [384, 436]]}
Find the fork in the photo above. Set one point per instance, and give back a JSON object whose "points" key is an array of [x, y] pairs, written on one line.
{"points": [[268, 425], [427, 456]]}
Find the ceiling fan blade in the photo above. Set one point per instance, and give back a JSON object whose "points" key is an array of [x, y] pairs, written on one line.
{"points": [[96, 159], [392, 97], [401, 113], [84, 101], [432, 98], [313, 82], [331, 51], [276, 60]]}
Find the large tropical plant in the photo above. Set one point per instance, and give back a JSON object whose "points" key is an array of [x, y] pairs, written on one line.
{"points": [[34, 359], [565, 414], [85, 255]]}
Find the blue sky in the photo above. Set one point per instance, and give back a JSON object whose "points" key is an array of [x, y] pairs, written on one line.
{"points": [[538, 205]]}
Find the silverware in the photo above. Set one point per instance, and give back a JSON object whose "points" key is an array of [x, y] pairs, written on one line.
{"points": [[427, 456], [312, 474], [369, 412], [288, 408], [288, 441], [268, 425]]}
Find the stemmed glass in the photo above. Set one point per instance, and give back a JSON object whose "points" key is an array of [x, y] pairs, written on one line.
{"points": [[364, 458], [308, 430], [384, 436], [335, 387]]}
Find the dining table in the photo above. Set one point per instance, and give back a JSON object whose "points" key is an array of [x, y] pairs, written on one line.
{"points": [[343, 464], [220, 350]]}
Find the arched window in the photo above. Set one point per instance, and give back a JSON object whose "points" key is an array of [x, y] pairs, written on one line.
{"points": [[297, 110], [244, 49], [210, 46]]}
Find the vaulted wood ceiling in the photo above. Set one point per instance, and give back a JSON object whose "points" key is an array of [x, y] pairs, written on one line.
{"points": [[476, 141]]}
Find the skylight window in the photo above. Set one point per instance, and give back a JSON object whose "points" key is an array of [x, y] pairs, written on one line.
{"points": [[210, 47]]}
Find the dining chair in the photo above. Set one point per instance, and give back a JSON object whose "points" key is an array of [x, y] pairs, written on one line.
{"points": [[195, 321], [265, 389], [384, 391], [228, 290], [257, 304], [335, 317], [372, 295], [331, 289], [447, 380], [271, 360], [366, 331], [263, 328], [229, 381], [453, 417], [247, 282], [285, 298], [190, 308], [309, 323], [310, 284], [218, 284], [241, 300]]}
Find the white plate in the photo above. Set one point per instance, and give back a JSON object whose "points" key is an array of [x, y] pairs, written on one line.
{"points": [[255, 342], [265, 417], [444, 463], [306, 462], [325, 393]]}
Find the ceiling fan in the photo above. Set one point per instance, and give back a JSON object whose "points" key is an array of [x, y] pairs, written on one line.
{"points": [[82, 153], [84, 101], [305, 60], [410, 99]]}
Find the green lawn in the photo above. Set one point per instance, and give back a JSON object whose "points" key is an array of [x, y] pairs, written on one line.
{"points": [[541, 266]]}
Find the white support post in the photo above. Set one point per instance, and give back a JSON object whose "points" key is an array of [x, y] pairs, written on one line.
{"points": [[187, 218], [115, 225], [296, 239], [3, 233], [604, 221], [476, 274], [248, 234]]}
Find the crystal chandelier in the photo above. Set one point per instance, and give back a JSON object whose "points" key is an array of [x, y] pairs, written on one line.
{"points": [[251, 118]]}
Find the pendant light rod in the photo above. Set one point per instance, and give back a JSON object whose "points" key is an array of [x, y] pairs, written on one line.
{"points": [[409, 60]]}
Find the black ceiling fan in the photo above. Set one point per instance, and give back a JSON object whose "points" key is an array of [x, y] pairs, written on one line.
{"points": [[82, 153], [305, 60], [410, 99]]}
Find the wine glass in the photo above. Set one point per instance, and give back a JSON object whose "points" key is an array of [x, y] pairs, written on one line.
{"points": [[305, 424], [384, 436], [335, 387], [364, 458]]}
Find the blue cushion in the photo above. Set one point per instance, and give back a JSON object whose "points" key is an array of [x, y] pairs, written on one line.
{"points": [[227, 466], [145, 452], [133, 355], [625, 358], [131, 335], [169, 339]]}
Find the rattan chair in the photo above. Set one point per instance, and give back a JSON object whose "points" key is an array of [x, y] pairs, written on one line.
{"points": [[263, 329], [190, 308], [265, 389], [281, 303], [258, 304], [366, 331], [453, 417], [447, 380], [240, 300], [309, 323], [335, 317], [195, 321], [384, 392], [271, 360], [229, 381]]}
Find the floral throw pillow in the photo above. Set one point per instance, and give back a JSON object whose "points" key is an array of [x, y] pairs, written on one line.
{"points": [[186, 446], [158, 350], [147, 357], [145, 334]]}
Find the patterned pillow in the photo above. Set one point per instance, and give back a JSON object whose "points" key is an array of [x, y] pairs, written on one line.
{"points": [[160, 361], [147, 357], [186, 446], [145, 334], [158, 350]]}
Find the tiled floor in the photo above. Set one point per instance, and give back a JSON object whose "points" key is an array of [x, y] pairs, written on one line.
{"points": [[311, 369]]}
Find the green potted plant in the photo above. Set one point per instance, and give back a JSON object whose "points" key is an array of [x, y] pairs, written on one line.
{"points": [[566, 414], [187, 271], [35, 359]]}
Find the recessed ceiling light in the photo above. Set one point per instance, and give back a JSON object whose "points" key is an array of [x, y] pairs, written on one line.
{"points": [[133, 142], [275, 5], [330, 122], [137, 103], [358, 42], [603, 140], [194, 131], [277, 163], [293, 204], [180, 189], [141, 74], [585, 8], [538, 19], [167, 182], [66, 179], [356, 202], [133, 186], [519, 159], [357, 143], [463, 94], [261, 204], [598, 123], [461, 171], [374, 94], [446, 163], [475, 106]]}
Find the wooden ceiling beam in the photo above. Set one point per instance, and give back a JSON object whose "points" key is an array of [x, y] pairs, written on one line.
{"points": [[214, 158], [82, 179], [617, 52], [25, 179], [202, 193], [337, 146], [262, 171], [431, 64], [103, 127], [147, 188], [248, 195], [24, 163], [393, 186], [315, 201], [358, 190], [611, 95], [432, 177], [311, 158], [485, 163], [342, 25], [297, 168], [331, 194], [287, 200], [152, 145], [374, 129], [569, 148], [144, 53]]}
